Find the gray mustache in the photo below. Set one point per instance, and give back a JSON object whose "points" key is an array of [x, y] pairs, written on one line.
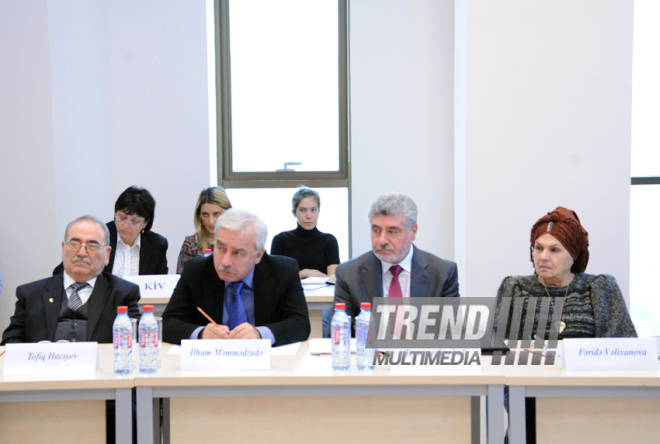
{"points": [[385, 247], [226, 269], [84, 259]]}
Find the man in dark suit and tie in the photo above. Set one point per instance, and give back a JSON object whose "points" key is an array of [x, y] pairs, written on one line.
{"points": [[250, 294], [395, 267], [79, 304]]}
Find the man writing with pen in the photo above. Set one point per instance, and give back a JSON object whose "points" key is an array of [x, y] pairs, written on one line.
{"points": [[240, 292]]}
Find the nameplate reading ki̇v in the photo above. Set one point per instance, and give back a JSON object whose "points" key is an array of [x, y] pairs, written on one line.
{"points": [[156, 285], [225, 354], [80, 358], [610, 354]]}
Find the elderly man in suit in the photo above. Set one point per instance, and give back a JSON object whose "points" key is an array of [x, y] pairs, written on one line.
{"points": [[250, 294], [395, 267], [79, 304]]}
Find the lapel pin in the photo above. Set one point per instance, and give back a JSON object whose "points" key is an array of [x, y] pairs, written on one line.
{"points": [[50, 300]]}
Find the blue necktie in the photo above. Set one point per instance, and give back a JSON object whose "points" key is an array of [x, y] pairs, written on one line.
{"points": [[237, 312]]}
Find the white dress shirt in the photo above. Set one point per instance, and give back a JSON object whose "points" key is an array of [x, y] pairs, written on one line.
{"points": [[127, 259], [404, 275]]}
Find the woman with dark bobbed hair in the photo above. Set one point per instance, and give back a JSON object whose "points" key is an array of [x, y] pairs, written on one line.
{"points": [[317, 253], [136, 250], [211, 204]]}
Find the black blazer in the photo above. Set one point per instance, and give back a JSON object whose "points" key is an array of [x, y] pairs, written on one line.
{"points": [[279, 301], [38, 306], [153, 253]]}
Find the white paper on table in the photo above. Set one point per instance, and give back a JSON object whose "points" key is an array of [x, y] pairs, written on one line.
{"points": [[321, 280], [174, 351], [285, 350], [322, 346]]}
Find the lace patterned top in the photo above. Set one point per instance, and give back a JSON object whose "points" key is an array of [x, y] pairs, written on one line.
{"points": [[127, 259]]}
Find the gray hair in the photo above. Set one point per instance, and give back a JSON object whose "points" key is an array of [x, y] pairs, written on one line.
{"points": [[392, 204], [235, 219], [96, 220], [302, 193]]}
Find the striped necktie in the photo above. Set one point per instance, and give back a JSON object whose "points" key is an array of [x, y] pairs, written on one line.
{"points": [[74, 301], [237, 312]]}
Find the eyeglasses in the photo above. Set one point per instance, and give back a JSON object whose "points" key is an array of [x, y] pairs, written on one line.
{"points": [[91, 247], [132, 222]]}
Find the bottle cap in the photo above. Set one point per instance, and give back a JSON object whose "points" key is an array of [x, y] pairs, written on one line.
{"points": [[122, 309], [366, 305], [148, 308], [208, 251], [340, 306]]}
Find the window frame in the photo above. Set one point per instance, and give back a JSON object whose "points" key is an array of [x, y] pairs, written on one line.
{"points": [[276, 179]]}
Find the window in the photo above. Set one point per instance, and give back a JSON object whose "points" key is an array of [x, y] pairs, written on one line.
{"points": [[282, 93], [645, 166], [282, 108]]}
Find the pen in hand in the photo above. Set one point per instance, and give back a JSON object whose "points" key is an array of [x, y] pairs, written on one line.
{"points": [[212, 321]]}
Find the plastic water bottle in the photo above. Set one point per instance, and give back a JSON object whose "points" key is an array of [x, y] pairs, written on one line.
{"points": [[365, 356], [148, 331], [122, 340], [340, 336]]}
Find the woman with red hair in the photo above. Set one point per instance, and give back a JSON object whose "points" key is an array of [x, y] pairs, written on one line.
{"points": [[589, 306]]}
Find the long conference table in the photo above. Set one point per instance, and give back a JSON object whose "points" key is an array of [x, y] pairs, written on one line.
{"points": [[301, 399]]}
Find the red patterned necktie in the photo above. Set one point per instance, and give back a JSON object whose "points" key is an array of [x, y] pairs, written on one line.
{"points": [[395, 287]]}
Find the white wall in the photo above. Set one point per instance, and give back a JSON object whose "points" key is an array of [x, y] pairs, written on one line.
{"points": [[97, 96], [401, 65], [547, 123], [28, 241]]}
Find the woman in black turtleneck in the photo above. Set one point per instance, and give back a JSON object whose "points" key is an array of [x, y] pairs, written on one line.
{"points": [[317, 253]]}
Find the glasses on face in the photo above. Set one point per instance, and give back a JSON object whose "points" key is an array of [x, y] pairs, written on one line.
{"points": [[125, 220], [91, 247]]}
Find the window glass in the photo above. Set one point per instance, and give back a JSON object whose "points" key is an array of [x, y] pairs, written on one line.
{"points": [[646, 90], [284, 85], [273, 205], [644, 259]]}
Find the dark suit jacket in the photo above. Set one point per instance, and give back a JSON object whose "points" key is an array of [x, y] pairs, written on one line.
{"points": [[35, 316], [361, 279], [279, 301], [153, 253]]}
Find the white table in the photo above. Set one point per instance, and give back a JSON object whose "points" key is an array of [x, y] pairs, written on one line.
{"points": [[65, 409], [585, 406], [302, 400]]}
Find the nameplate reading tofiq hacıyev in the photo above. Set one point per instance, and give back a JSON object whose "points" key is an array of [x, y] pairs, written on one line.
{"points": [[80, 358], [225, 354], [610, 354]]}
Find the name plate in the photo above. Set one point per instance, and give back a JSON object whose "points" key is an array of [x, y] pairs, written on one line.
{"points": [[610, 354], [155, 285], [432, 361], [225, 354], [78, 358]]}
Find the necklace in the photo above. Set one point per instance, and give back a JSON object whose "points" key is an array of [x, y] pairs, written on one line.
{"points": [[559, 325]]}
